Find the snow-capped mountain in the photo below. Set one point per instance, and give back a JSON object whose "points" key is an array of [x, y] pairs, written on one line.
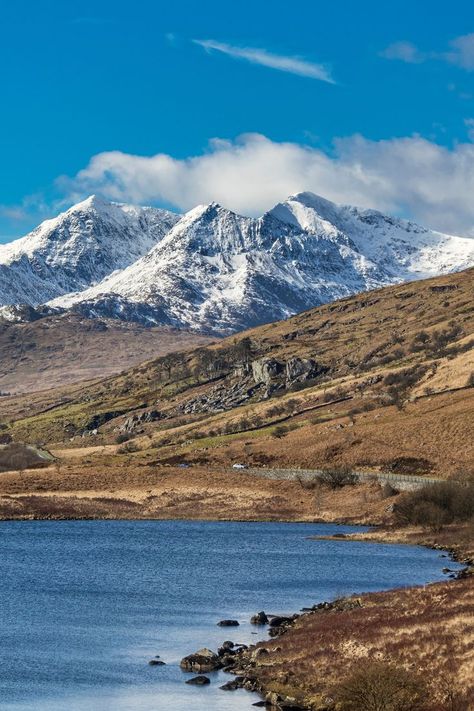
{"points": [[78, 248], [220, 272]]}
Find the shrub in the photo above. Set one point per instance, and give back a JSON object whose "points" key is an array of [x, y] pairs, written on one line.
{"points": [[437, 504], [128, 448], [410, 465], [399, 383], [437, 342], [337, 477], [280, 431], [470, 380], [122, 437], [382, 687]]}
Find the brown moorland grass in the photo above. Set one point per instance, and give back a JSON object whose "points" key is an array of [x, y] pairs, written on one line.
{"points": [[167, 492], [429, 630]]}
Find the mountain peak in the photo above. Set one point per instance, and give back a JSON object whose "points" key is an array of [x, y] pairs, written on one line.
{"points": [[92, 201], [78, 248], [310, 199]]}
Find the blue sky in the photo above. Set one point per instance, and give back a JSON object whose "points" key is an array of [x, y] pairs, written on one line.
{"points": [[279, 83]]}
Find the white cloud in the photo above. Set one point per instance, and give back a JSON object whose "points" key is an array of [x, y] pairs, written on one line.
{"points": [[16, 213], [292, 65], [409, 176], [462, 52], [404, 51]]}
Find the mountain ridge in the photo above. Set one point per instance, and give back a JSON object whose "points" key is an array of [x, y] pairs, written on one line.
{"points": [[214, 271], [220, 272]]}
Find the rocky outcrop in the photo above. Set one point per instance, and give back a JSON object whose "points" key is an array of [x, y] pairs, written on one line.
{"points": [[298, 370], [258, 379], [221, 398], [279, 624], [233, 684], [134, 422], [278, 375], [228, 623], [267, 370], [101, 418]]}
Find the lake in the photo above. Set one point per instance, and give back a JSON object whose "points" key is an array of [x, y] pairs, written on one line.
{"points": [[86, 604]]}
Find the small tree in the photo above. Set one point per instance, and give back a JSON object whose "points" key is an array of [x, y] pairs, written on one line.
{"points": [[337, 477], [382, 687]]}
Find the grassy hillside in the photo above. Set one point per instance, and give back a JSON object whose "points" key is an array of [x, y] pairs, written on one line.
{"points": [[382, 379]]}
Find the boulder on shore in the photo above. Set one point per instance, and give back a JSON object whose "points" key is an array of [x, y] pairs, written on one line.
{"points": [[204, 660], [279, 620]]}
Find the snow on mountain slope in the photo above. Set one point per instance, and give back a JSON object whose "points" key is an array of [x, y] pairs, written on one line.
{"points": [[220, 272], [403, 249], [78, 248]]}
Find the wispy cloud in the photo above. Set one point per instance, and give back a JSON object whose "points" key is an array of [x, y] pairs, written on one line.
{"points": [[292, 65], [460, 52]]}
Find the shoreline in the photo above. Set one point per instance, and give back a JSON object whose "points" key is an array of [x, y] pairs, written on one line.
{"points": [[244, 665]]}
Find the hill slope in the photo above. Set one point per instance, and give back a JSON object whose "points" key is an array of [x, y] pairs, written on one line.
{"points": [[361, 381], [67, 348]]}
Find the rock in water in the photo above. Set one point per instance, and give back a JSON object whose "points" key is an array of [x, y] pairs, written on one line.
{"points": [[259, 619], [199, 681]]}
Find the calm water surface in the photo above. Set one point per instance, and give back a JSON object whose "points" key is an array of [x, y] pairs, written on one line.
{"points": [[85, 605]]}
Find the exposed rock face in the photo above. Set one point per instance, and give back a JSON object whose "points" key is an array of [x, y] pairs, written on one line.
{"points": [[134, 421], [298, 370], [102, 418], [267, 370], [276, 375], [266, 375]]}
